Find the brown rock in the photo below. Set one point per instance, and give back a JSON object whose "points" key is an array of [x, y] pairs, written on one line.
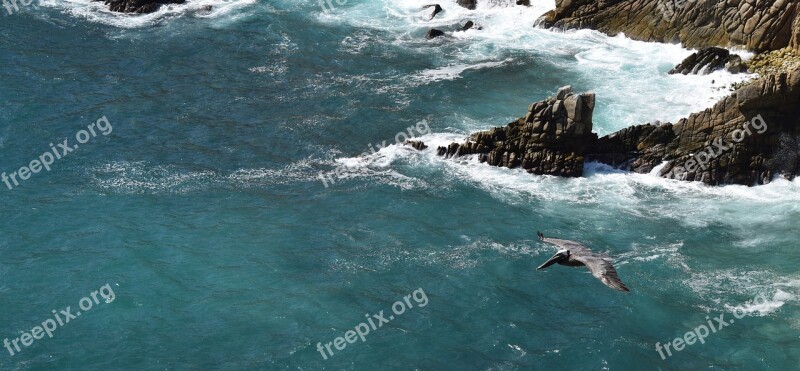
{"points": [[758, 25], [521, 144]]}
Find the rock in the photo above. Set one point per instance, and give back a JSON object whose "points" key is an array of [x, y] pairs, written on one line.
{"points": [[737, 141], [795, 42], [551, 139], [562, 93], [735, 64], [467, 26], [746, 138], [524, 2], [757, 25], [774, 62], [708, 60], [434, 33], [469, 4], [137, 6], [436, 9], [416, 144]]}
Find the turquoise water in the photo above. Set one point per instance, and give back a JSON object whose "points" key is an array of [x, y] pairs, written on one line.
{"points": [[203, 211]]}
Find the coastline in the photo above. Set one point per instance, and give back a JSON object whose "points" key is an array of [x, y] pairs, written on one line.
{"points": [[642, 148]]}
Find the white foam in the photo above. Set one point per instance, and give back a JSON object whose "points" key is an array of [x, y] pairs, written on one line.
{"points": [[692, 204], [140, 177], [453, 71], [97, 11], [763, 306], [629, 77]]}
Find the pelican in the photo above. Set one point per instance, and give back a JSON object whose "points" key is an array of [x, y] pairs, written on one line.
{"points": [[575, 254]]}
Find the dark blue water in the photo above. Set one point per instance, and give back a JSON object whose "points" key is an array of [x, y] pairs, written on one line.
{"points": [[203, 211]]}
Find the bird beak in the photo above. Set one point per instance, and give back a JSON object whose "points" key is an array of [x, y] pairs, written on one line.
{"points": [[551, 261]]}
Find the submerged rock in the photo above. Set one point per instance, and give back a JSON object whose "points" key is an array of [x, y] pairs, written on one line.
{"points": [[137, 6], [416, 144], [469, 4], [708, 60], [467, 26], [434, 33]]}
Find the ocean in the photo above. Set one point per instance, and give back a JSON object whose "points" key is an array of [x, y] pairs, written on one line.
{"points": [[197, 225]]}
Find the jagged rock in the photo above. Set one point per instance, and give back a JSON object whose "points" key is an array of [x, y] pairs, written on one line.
{"points": [[708, 60], [436, 9], [524, 2], [551, 139], [469, 4], [742, 138], [416, 144], [434, 33], [137, 6], [562, 92], [746, 138], [737, 141], [758, 25]]}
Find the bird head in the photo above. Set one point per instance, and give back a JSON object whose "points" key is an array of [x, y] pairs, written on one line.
{"points": [[559, 256]]}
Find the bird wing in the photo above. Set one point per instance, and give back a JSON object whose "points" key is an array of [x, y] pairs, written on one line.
{"points": [[573, 246], [602, 269]]}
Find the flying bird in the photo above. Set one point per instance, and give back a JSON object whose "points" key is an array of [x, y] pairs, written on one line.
{"points": [[575, 254]]}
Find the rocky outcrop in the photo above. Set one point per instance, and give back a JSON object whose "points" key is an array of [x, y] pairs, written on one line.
{"points": [[747, 138], [758, 25], [740, 140], [137, 6], [708, 60], [551, 139], [416, 144]]}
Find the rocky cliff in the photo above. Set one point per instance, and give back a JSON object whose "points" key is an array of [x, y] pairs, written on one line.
{"points": [[758, 25], [744, 139]]}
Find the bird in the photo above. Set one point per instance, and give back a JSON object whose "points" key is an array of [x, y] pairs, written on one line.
{"points": [[576, 254]]}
